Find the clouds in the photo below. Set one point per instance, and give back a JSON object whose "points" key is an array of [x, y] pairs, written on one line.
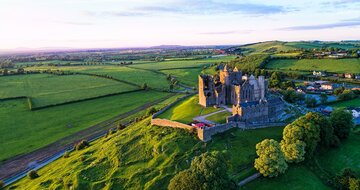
{"points": [[196, 7], [345, 23]]}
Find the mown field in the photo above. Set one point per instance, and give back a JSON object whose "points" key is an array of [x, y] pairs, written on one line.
{"points": [[330, 65], [219, 117], [145, 157], [23, 131], [46, 89]]}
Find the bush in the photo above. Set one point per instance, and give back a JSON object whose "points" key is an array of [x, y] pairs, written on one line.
{"points": [[66, 154], [81, 145], [33, 174], [121, 126], [151, 111], [2, 184]]}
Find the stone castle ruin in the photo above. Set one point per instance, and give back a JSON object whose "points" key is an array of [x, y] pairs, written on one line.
{"points": [[247, 95]]}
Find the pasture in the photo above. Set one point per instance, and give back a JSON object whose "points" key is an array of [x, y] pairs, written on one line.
{"points": [[23, 131], [186, 76], [329, 65], [146, 157], [46, 89]]}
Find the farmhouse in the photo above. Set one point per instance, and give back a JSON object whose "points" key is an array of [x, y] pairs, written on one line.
{"points": [[319, 73], [247, 95]]}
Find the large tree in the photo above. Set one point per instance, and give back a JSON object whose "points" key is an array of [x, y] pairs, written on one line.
{"points": [[271, 161], [342, 122], [207, 171]]}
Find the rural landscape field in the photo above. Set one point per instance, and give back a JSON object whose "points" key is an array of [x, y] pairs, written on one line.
{"points": [[179, 95]]}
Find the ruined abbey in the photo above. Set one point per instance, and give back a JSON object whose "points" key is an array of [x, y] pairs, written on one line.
{"points": [[247, 95]]}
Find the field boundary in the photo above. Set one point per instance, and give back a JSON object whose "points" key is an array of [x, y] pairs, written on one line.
{"points": [[19, 165], [83, 100]]}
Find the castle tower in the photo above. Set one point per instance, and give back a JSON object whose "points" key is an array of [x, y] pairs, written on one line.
{"points": [[262, 87], [255, 84], [224, 76], [236, 76]]}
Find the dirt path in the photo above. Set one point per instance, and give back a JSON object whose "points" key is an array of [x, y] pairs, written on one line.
{"points": [[248, 179], [20, 163]]}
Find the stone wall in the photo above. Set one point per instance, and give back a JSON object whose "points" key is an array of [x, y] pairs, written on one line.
{"points": [[169, 123], [205, 133]]}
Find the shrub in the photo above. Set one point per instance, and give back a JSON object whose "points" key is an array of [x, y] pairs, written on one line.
{"points": [[151, 111], [2, 184], [33, 174], [121, 126], [81, 145], [66, 154]]}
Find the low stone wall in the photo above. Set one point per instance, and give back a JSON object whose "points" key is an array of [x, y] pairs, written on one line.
{"points": [[169, 123], [205, 133]]}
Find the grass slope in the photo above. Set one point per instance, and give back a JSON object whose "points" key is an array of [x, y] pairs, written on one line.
{"points": [[23, 131], [185, 110], [330, 65], [348, 103], [219, 117], [145, 157]]}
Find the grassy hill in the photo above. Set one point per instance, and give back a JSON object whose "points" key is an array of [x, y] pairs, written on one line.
{"points": [[146, 157]]}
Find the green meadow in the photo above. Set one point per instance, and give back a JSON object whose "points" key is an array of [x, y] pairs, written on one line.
{"points": [[45, 89], [24, 131], [330, 65]]}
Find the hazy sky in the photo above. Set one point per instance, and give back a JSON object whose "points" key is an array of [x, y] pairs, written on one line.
{"points": [[131, 23]]}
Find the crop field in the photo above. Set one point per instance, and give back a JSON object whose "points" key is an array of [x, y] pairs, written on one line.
{"points": [[185, 110], [146, 157], [330, 65], [46, 89], [24, 131]]}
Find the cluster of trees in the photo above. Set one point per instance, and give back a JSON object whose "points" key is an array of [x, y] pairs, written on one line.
{"points": [[173, 81], [207, 171], [6, 64], [301, 139], [347, 179], [250, 63]]}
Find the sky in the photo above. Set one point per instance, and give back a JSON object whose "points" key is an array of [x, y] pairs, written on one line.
{"points": [[143, 23]]}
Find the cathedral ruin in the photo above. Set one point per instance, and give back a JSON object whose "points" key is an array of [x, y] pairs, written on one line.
{"points": [[247, 95]]}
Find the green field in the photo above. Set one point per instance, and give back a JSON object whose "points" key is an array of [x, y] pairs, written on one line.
{"points": [[348, 103], [219, 117], [182, 63], [146, 157], [185, 110], [297, 177], [330, 65], [23, 131], [186, 76], [267, 47], [45, 89]]}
